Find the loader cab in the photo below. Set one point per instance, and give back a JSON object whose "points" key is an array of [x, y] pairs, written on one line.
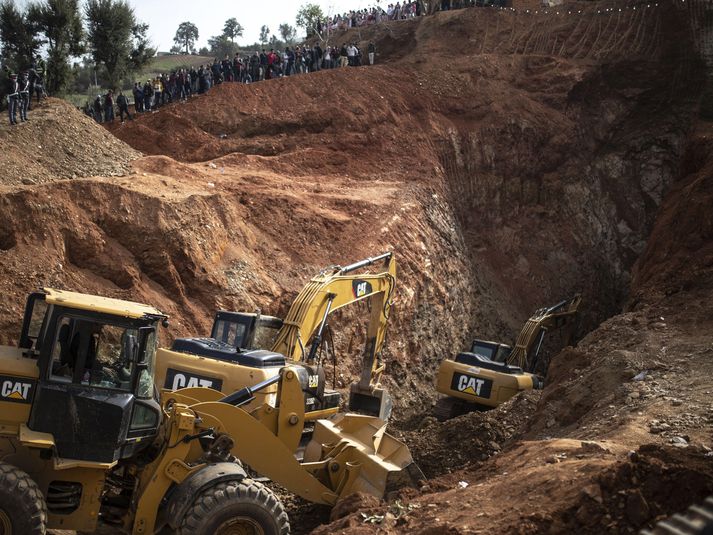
{"points": [[95, 391]]}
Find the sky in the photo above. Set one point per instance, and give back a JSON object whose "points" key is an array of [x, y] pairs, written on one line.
{"points": [[163, 17]]}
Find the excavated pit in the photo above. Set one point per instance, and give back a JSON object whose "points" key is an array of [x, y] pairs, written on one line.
{"points": [[552, 155]]}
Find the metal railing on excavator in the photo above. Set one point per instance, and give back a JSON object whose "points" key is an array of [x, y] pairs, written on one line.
{"points": [[533, 332]]}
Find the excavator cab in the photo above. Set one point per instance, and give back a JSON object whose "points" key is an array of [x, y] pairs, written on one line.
{"points": [[243, 330], [491, 350]]}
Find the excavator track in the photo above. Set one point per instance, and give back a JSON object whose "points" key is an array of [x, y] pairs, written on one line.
{"points": [[697, 520]]}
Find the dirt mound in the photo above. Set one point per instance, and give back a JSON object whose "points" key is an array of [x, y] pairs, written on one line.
{"points": [[441, 448], [59, 142], [637, 492]]}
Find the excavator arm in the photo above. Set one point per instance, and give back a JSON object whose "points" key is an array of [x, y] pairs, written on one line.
{"points": [[532, 333], [329, 291]]}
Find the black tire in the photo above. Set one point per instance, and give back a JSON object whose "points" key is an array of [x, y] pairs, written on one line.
{"points": [[23, 510], [245, 507]]}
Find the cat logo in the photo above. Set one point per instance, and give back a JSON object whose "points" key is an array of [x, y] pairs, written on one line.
{"points": [[313, 381], [179, 379], [361, 288], [469, 384], [16, 390]]}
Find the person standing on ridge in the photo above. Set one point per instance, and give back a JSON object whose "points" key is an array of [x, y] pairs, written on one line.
{"points": [[138, 98], [123, 104], [109, 107], [343, 58], [372, 51], [13, 97], [24, 93]]}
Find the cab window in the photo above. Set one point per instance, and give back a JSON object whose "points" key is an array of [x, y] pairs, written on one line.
{"points": [[93, 354], [229, 332]]}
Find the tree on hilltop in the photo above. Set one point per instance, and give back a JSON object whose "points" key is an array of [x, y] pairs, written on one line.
{"points": [[19, 37], [186, 36], [310, 17], [232, 29], [288, 33], [264, 35], [221, 46], [117, 41], [60, 22]]}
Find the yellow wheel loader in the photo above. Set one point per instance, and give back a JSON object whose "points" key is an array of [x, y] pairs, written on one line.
{"points": [[246, 348], [491, 373], [86, 440]]}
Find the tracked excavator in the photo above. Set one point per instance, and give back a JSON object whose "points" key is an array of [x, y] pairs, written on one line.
{"points": [[491, 372], [245, 348], [86, 439]]}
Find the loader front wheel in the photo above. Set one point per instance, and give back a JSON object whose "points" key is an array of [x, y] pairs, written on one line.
{"points": [[236, 508], [22, 508]]}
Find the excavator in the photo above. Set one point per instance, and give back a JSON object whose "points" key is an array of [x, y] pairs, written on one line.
{"points": [[236, 354], [491, 373], [86, 439]]}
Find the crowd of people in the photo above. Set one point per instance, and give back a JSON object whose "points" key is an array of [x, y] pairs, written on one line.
{"points": [[261, 65], [264, 65], [366, 17], [21, 88], [398, 11]]}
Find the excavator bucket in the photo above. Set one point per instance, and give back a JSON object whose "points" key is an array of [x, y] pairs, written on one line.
{"points": [[362, 456]]}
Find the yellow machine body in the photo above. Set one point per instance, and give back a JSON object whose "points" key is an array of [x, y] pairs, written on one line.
{"points": [[198, 439], [491, 373], [474, 384], [298, 338]]}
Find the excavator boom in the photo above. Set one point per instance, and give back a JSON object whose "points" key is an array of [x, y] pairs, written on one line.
{"points": [[533, 331], [329, 291]]}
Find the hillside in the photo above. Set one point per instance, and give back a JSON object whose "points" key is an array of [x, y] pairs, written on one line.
{"points": [[551, 155]]}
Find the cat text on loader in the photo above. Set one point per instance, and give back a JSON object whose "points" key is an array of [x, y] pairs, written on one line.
{"points": [[236, 355], [85, 441], [491, 373]]}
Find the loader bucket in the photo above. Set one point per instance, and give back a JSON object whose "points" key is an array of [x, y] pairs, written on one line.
{"points": [[362, 456]]}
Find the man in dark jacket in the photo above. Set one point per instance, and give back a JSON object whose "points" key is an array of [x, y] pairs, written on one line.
{"points": [[24, 92], [13, 97], [255, 67], [263, 65], [138, 98], [109, 107], [318, 54], [98, 109], [290, 69], [123, 103], [148, 95]]}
